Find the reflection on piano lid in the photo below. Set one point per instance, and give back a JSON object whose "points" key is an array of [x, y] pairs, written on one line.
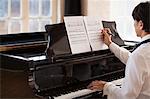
{"points": [[17, 51], [23, 44], [37, 58]]}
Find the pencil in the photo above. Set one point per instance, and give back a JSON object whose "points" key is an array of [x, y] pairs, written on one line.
{"points": [[111, 34]]}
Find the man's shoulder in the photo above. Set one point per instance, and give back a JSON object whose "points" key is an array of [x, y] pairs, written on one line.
{"points": [[144, 48], [141, 52]]}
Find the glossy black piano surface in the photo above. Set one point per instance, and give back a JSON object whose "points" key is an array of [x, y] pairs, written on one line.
{"points": [[52, 69], [63, 77], [23, 43], [15, 53], [16, 49]]}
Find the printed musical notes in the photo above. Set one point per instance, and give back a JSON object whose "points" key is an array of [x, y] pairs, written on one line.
{"points": [[83, 34], [93, 26]]}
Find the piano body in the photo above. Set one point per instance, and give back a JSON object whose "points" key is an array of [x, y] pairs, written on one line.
{"points": [[52, 71], [15, 53]]}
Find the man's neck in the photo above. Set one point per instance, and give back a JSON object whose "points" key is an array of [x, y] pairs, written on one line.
{"points": [[144, 34]]}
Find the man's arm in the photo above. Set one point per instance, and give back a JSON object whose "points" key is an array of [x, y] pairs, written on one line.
{"points": [[121, 53], [132, 83]]}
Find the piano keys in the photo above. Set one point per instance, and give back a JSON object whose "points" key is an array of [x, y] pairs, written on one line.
{"points": [[75, 94], [87, 93]]}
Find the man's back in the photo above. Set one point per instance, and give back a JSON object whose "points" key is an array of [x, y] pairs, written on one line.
{"points": [[143, 57]]}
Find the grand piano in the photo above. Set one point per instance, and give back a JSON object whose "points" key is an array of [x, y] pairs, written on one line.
{"points": [[52, 71]]}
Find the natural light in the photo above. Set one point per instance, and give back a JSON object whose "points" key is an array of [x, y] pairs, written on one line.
{"points": [[121, 12]]}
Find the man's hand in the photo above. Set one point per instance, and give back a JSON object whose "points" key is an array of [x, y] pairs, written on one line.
{"points": [[96, 85], [106, 36]]}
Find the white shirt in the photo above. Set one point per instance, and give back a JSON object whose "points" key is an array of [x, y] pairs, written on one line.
{"points": [[136, 84]]}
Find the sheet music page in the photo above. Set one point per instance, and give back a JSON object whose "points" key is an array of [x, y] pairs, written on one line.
{"points": [[93, 26], [77, 34]]}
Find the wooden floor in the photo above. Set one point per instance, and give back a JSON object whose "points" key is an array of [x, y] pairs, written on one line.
{"points": [[15, 85]]}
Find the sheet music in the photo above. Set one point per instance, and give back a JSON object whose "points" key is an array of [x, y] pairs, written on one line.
{"points": [[93, 26], [77, 34]]}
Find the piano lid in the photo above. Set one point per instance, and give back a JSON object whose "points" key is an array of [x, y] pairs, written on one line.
{"points": [[58, 40], [24, 44], [22, 38]]}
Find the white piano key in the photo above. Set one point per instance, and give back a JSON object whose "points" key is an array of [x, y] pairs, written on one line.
{"points": [[75, 94], [84, 91]]}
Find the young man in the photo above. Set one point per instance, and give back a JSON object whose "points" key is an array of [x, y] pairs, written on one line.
{"points": [[136, 83]]}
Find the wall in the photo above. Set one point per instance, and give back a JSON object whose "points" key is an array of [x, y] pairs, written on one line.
{"points": [[96, 8]]}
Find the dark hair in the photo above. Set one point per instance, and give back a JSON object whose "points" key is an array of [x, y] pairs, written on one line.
{"points": [[142, 12]]}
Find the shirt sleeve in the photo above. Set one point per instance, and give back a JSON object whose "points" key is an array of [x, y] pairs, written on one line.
{"points": [[132, 83], [120, 52]]}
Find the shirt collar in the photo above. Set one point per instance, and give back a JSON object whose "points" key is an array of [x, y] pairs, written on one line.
{"points": [[146, 37]]}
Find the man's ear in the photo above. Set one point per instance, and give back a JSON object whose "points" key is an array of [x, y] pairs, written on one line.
{"points": [[140, 24]]}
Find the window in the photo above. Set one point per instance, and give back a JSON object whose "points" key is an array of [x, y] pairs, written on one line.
{"points": [[27, 15], [39, 14], [121, 12]]}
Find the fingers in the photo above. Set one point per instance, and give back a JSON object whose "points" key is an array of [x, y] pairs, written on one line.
{"points": [[106, 33], [106, 36], [96, 85], [107, 30], [93, 86]]}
